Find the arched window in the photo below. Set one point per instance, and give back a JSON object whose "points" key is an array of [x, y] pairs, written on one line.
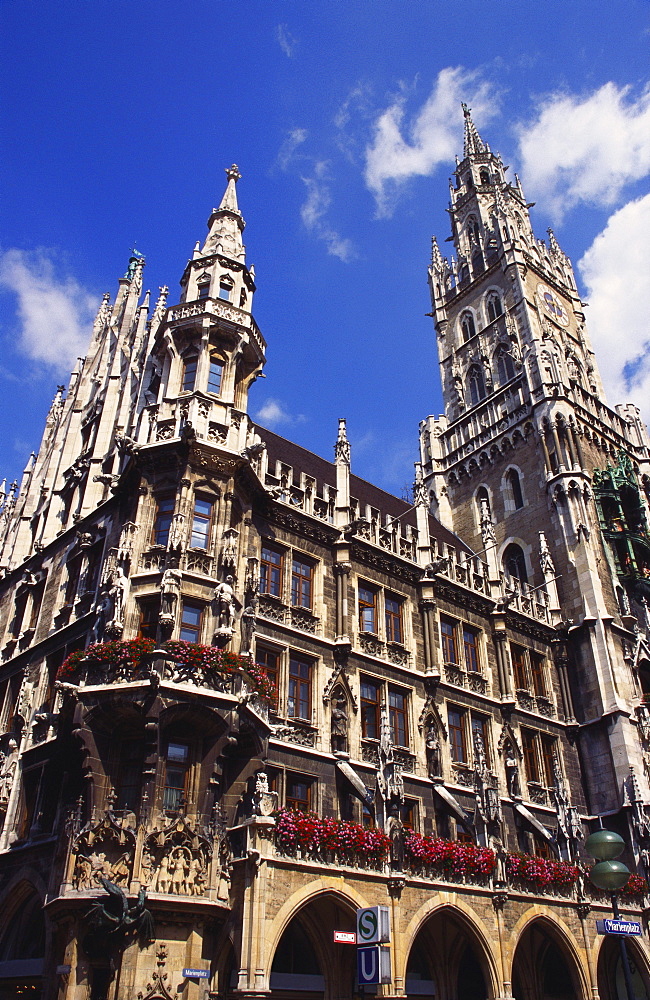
{"points": [[475, 384], [477, 263], [463, 274], [505, 366], [203, 288], [494, 307], [190, 365], [485, 176], [514, 563], [215, 375], [473, 229], [225, 288], [467, 325], [513, 484], [483, 508]]}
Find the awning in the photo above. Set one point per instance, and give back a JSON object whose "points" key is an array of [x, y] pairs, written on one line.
{"points": [[454, 806], [535, 823], [360, 790]]}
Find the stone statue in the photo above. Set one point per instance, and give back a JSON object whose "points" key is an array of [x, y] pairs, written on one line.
{"points": [[339, 725], [432, 745], [512, 773], [170, 588], [117, 593], [224, 596], [248, 622], [8, 771], [103, 609], [395, 832]]}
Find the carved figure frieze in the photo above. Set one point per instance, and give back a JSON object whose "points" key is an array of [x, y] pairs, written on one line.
{"points": [[105, 851], [176, 860]]}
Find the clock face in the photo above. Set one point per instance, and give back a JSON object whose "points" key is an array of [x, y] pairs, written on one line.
{"points": [[552, 304]]}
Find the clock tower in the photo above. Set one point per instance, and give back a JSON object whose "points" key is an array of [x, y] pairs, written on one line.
{"points": [[529, 463]]}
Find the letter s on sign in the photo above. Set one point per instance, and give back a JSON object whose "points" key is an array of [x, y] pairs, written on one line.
{"points": [[368, 925]]}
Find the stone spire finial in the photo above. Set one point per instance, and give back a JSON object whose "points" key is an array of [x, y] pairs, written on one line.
{"points": [[473, 141], [342, 446], [229, 200]]}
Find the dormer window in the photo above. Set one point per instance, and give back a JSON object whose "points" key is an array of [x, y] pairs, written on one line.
{"points": [[190, 365], [225, 289], [494, 307], [215, 375], [203, 290]]}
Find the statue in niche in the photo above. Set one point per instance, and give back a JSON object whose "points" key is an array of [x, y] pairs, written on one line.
{"points": [[248, 623], [395, 832], [339, 723], [227, 604], [8, 766], [432, 746], [170, 588], [117, 585], [512, 773]]}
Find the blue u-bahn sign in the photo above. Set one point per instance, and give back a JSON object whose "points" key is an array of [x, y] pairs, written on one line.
{"points": [[373, 965]]}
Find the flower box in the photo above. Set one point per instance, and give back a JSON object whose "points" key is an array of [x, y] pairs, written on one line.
{"points": [[449, 857], [198, 662], [541, 871], [331, 838]]}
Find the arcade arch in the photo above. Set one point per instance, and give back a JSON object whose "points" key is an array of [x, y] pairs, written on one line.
{"points": [[449, 960], [544, 966]]}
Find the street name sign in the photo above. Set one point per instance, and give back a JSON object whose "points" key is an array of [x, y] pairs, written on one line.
{"points": [[373, 925], [345, 937], [196, 973], [626, 928], [373, 965]]}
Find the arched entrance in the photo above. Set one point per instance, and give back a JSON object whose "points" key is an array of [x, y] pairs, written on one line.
{"points": [[543, 968], [306, 960], [447, 961], [611, 981], [22, 947]]}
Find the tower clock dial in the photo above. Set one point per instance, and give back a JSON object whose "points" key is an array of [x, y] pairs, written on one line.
{"points": [[552, 304]]}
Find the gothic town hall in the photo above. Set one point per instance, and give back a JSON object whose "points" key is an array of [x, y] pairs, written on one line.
{"points": [[245, 693]]}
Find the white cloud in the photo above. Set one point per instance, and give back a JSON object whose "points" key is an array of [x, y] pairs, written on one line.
{"points": [[55, 314], [272, 414], [586, 149], [401, 150], [313, 213], [294, 139], [616, 275], [286, 40]]}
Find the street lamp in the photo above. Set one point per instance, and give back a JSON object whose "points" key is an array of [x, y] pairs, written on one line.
{"points": [[611, 875]]}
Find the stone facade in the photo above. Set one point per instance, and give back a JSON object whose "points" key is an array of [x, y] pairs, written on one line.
{"points": [[244, 692]]}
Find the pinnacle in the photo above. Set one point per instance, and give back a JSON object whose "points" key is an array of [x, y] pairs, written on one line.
{"points": [[229, 200], [473, 141]]}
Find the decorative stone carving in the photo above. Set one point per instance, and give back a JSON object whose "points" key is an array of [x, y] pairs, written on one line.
{"points": [[339, 722], [176, 860], [229, 548], [226, 605], [103, 852], [264, 800], [248, 623], [170, 588], [8, 765], [433, 750]]}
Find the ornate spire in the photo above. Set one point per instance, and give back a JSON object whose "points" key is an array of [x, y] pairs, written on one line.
{"points": [[229, 200], [437, 260], [473, 141]]}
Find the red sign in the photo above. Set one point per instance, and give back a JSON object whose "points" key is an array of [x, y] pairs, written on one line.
{"points": [[345, 937]]}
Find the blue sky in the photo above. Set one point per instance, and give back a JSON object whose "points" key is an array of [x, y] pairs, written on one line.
{"points": [[118, 119]]}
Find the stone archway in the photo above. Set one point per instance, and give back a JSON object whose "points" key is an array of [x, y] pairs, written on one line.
{"points": [[544, 967], [306, 960], [448, 960], [22, 944], [610, 978]]}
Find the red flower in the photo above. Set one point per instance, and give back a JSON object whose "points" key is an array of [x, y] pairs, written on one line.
{"points": [[349, 841], [541, 871], [450, 856]]}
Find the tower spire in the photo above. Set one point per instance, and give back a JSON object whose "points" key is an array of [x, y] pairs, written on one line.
{"points": [[473, 141], [226, 223]]}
